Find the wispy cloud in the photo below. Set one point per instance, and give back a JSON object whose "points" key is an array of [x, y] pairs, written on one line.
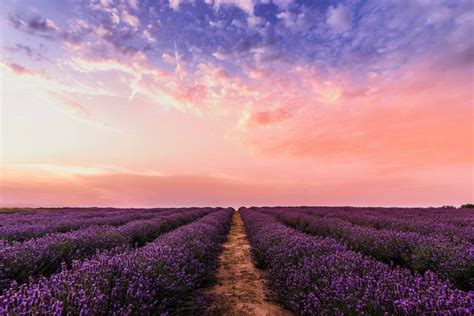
{"points": [[339, 18], [31, 52]]}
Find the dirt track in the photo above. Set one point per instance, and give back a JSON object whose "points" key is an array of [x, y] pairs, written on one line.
{"points": [[240, 288]]}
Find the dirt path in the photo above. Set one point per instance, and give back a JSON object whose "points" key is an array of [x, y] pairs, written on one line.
{"points": [[240, 288]]}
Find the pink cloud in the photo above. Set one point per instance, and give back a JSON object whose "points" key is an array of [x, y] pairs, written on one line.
{"points": [[22, 70], [269, 117], [421, 118], [139, 190]]}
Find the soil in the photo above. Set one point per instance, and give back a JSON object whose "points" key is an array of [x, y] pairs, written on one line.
{"points": [[241, 288]]}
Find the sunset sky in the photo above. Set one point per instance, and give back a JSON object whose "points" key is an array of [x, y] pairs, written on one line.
{"points": [[236, 102]]}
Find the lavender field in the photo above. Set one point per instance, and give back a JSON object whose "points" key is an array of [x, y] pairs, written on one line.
{"points": [[157, 156], [254, 261]]}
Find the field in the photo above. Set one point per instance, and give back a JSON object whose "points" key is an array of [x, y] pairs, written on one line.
{"points": [[257, 261]]}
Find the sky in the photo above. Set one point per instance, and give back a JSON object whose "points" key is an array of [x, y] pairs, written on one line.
{"points": [[142, 103]]}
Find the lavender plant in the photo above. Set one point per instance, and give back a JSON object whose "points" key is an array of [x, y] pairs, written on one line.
{"points": [[312, 275], [453, 261], [44, 256], [161, 277]]}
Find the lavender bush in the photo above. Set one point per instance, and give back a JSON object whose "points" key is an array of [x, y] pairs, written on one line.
{"points": [[44, 256], [159, 278], [450, 260], [35, 226], [446, 222], [312, 275]]}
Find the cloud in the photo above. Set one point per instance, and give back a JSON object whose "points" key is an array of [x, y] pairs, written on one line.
{"points": [[268, 117], [52, 188], [27, 50], [19, 69], [255, 21], [134, 4], [130, 19], [45, 28], [34, 24], [245, 5], [149, 38], [339, 18], [394, 123], [56, 93], [74, 107], [167, 58], [38, 24], [77, 110], [174, 4], [221, 54], [283, 4]]}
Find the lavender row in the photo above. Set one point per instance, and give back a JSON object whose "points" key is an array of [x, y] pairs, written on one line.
{"points": [[45, 216], [313, 276], [449, 216], [65, 224], [74, 222], [71, 221], [32, 216], [450, 261], [425, 221], [44, 256], [426, 226], [159, 278], [452, 217]]}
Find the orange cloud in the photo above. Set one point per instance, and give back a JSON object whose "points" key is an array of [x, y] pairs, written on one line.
{"points": [[126, 189], [423, 117], [140, 190], [269, 117]]}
